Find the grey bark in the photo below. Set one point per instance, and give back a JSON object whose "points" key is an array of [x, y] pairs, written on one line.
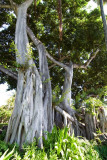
{"points": [[45, 76], [47, 93], [26, 120], [104, 21], [66, 94], [90, 124], [65, 119], [66, 100], [33, 112], [64, 114], [46, 83], [60, 119], [102, 120]]}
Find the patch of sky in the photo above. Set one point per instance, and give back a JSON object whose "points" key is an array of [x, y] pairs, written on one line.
{"points": [[92, 5], [4, 94], [4, 26]]}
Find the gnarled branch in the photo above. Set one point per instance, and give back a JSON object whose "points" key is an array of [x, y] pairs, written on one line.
{"points": [[65, 114], [8, 72], [38, 42], [84, 66], [61, 59], [68, 116], [12, 5], [56, 62], [5, 6]]}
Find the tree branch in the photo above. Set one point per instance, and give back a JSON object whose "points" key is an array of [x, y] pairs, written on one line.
{"points": [[61, 59], [33, 38], [12, 5], [38, 42], [84, 66], [65, 114], [8, 72], [56, 62], [5, 6], [92, 57], [27, 3]]}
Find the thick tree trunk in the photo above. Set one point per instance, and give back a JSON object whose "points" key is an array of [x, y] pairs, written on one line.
{"points": [[65, 105], [66, 101], [66, 94], [67, 85], [26, 120]]}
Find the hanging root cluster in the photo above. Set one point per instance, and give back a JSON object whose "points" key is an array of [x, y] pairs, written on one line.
{"points": [[87, 127], [22, 127]]}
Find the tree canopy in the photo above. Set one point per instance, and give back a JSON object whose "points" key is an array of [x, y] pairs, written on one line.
{"points": [[82, 33]]}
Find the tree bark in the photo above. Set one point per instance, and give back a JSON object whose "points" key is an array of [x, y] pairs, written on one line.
{"points": [[104, 21], [47, 86], [66, 94], [26, 120], [102, 114], [47, 92], [90, 124], [48, 118]]}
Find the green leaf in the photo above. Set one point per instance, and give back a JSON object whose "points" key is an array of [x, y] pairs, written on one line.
{"points": [[6, 156]]}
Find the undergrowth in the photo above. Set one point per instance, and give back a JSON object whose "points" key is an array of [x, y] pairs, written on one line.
{"points": [[58, 146]]}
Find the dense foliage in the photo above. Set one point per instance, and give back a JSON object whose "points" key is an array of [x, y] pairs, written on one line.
{"points": [[93, 98], [82, 34], [59, 145], [6, 110]]}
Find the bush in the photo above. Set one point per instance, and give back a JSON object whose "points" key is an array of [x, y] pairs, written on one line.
{"points": [[6, 110], [4, 114], [69, 147], [3, 147]]}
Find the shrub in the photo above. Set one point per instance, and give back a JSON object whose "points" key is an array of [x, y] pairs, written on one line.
{"points": [[69, 147], [6, 110]]}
